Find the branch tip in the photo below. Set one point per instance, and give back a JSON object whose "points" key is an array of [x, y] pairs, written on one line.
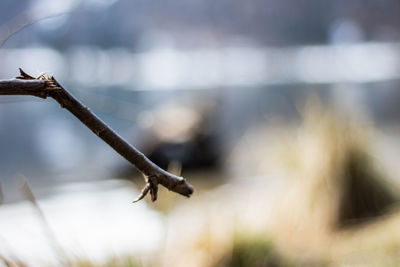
{"points": [[144, 192], [24, 75]]}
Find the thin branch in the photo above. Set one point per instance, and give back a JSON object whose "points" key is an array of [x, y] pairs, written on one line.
{"points": [[48, 87], [21, 22]]}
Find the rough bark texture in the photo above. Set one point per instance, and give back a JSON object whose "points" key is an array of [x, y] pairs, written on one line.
{"points": [[23, 87], [48, 87]]}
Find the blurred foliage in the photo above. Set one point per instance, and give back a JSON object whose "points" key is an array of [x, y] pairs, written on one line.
{"points": [[254, 252], [127, 261]]}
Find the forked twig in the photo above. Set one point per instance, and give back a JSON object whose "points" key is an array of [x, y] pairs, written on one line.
{"points": [[45, 87]]}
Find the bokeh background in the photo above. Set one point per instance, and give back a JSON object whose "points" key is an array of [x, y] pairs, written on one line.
{"points": [[282, 114]]}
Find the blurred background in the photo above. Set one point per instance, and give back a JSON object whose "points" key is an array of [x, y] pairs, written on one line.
{"points": [[282, 114]]}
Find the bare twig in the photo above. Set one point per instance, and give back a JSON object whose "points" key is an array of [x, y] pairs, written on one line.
{"points": [[22, 21], [48, 87]]}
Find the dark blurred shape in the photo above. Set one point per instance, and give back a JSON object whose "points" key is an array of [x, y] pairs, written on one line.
{"points": [[182, 133], [365, 195], [176, 133], [198, 152]]}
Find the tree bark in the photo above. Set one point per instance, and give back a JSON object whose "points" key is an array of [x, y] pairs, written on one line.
{"points": [[48, 87]]}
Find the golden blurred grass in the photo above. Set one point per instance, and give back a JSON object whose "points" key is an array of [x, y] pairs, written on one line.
{"points": [[312, 188]]}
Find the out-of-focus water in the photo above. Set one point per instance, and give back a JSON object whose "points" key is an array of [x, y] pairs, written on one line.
{"points": [[92, 221], [237, 66]]}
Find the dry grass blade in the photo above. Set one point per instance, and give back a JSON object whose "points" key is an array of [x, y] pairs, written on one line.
{"points": [[28, 195], [1, 195]]}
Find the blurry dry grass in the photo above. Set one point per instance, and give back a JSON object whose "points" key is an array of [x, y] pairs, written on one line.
{"points": [[124, 261], [127, 261], [331, 164], [313, 189], [336, 202]]}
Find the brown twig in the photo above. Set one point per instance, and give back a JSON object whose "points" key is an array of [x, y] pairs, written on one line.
{"points": [[48, 87]]}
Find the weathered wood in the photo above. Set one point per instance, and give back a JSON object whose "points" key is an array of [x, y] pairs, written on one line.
{"points": [[23, 87]]}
